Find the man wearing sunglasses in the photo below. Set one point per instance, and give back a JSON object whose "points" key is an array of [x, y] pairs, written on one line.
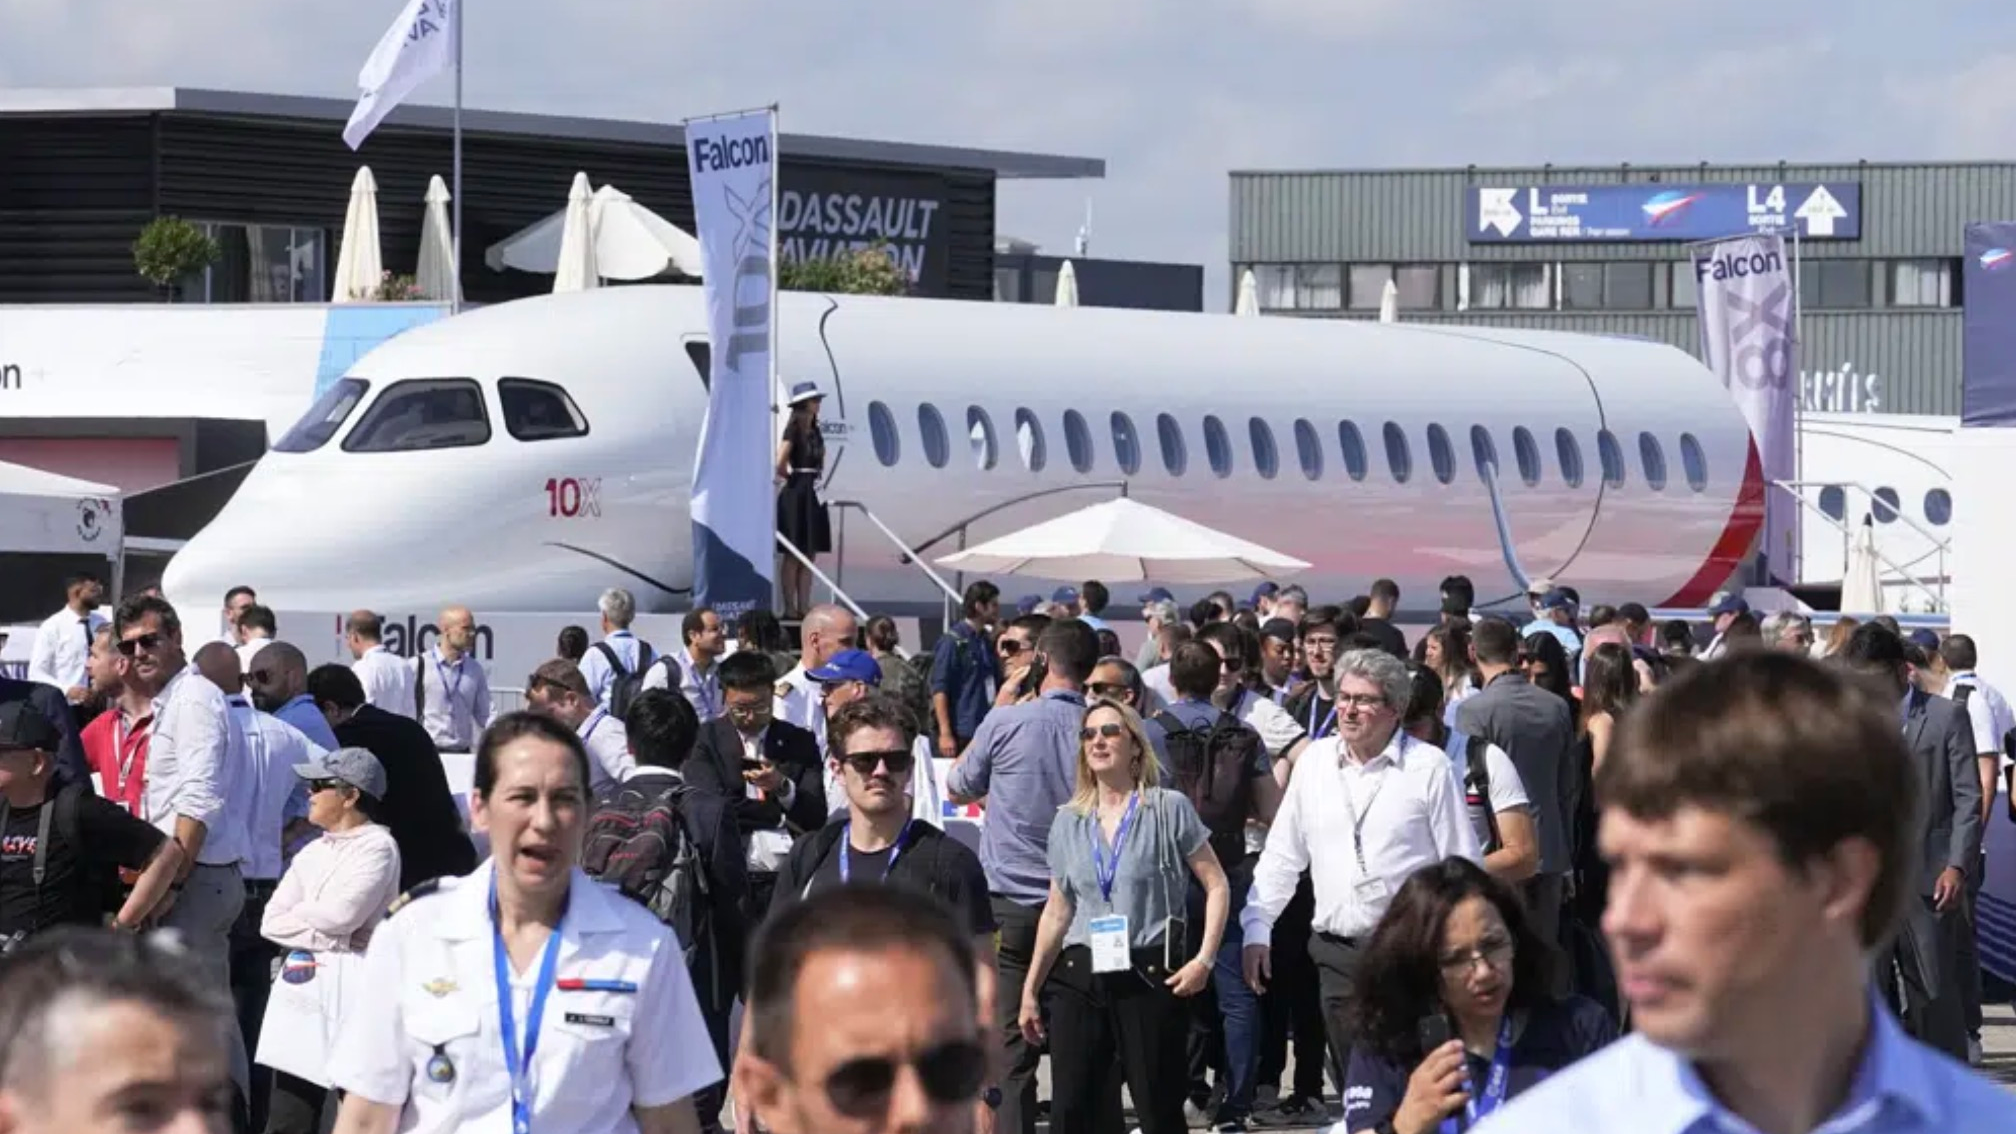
{"points": [[844, 680], [863, 1018]]}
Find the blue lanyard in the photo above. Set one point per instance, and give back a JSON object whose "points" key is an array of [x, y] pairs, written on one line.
{"points": [[1107, 870], [448, 687], [1479, 1106], [520, 1070], [895, 852], [1316, 731], [700, 689], [594, 722]]}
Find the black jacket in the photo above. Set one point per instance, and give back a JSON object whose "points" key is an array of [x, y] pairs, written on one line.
{"points": [[418, 808], [716, 765], [709, 821], [932, 862]]}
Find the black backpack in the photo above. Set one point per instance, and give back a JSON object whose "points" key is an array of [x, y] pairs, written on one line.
{"points": [[1960, 696], [1212, 767], [59, 812], [1477, 782], [637, 842], [624, 685]]}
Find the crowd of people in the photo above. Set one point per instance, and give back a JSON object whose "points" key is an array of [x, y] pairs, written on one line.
{"points": [[1447, 876]]}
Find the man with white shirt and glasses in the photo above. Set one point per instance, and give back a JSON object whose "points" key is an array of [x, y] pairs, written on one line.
{"points": [[1365, 809], [387, 678], [63, 643], [189, 755], [451, 693], [1760, 819], [557, 689], [620, 652]]}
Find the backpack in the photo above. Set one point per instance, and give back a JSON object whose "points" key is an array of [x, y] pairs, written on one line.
{"points": [[59, 814], [637, 842], [1212, 767], [1477, 782], [624, 685]]}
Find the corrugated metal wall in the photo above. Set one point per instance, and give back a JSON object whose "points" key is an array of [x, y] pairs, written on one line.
{"points": [[1907, 210], [73, 195]]}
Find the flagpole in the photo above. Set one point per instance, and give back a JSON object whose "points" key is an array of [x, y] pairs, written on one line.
{"points": [[455, 301]]}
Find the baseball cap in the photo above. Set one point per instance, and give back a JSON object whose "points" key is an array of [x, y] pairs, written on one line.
{"points": [[1557, 599], [848, 665], [1158, 594], [1730, 604], [1265, 590], [353, 766], [1064, 595], [1027, 604], [22, 725], [1924, 639], [1540, 587]]}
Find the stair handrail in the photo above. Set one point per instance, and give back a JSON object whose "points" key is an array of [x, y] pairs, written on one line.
{"points": [[838, 595], [1938, 600], [1939, 546]]}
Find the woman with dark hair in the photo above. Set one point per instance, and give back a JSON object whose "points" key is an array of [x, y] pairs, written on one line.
{"points": [[573, 643], [1451, 1008], [1609, 687], [801, 516], [1445, 649], [1547, 665]]}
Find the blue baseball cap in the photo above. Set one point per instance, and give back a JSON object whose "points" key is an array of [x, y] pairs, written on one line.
{"points": [[1730, 604], [1265, 590], [1925, 639], [848, 665], [1158, 594], [1557, 599], [1027, 604], [1064, 595]]}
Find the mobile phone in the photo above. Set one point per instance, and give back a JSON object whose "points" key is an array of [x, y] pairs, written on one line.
{"points": [[1434, 1032], [749, 765]]}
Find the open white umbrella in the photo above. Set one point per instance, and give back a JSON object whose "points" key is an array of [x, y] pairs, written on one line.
{"points": [[435, 275], [1389, 303], [1125, 541], [1067, 285], [1862, 585], [576, 269], [1248, 302], [360, 264], [631, 242]]}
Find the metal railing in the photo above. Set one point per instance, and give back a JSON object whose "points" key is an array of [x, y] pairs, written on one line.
{"points": [[832, 588], [1938, 600], [952, 601], [1939, 546], [959, 529]]}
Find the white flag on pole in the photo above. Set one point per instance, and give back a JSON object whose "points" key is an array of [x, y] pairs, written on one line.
{"points": [[418, 45], [1747, 339]]}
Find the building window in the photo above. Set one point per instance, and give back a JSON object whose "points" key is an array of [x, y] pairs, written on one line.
{"points": [[980, 432], [1685, 289], [1368, 284], [1217, 447], [1420, 286], [1007, 285], [1029, 439], [1319, 287], [1492, 287], [1834, 283], [1276, 285], [1921, 283], [1352, 443], [1265, 459], [263, 264], [1623, 286], [937, 446], [1938, 507], [422, 414], [882, 431]]}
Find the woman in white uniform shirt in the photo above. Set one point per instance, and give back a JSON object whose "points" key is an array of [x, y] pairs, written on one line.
{"points": [[524, 998]]}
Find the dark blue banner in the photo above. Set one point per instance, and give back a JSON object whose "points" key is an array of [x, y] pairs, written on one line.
{"points": [[1567, 214], [1988, 342]]}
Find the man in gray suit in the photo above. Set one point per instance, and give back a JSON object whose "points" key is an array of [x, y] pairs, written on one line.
{"points": [[1925, 959]]}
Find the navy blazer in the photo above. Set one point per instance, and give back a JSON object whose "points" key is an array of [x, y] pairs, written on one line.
{"points": [[716, 766]]}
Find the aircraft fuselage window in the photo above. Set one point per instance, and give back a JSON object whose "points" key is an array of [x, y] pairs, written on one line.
{"points": [[1938, 507], [882, 431], [1483, 450], [1352, 443], [1654, 459], [539, 411], [1693, 462], [1126, 444], [1078, 441], [1398, 459], [1266, 460], [1834, 502], [325, 417], [1308, 449], [937, 446], [422, 413], [1029, 440], [980, 430], [1612, 455], [1569, 451], [1526, 451], [1441, 454], [1885, 505], [1175, 455], [1217, 446]]}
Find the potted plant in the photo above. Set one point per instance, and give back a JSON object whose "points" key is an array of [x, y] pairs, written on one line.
{"points": [[872, 270], [397, 289], [171, 250]]}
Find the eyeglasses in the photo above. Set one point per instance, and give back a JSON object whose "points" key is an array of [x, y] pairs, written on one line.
{"points": [[260, 677], [1361, 701], [751, 710], [132, 646], [1109, 730], [1495, 952], [1008, 647], [951, 1073], [898, 761]]}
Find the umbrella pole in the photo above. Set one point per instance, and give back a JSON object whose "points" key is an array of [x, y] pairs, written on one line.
{"points": [[455, 300]]}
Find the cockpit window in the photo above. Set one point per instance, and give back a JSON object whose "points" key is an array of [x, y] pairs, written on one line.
{"points": [[539, 411], [425, 413], [325, 417]]}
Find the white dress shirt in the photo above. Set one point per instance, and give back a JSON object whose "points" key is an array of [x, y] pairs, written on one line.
{"points": [[1404, 803], [1988, 711], [63, 648], [803, 703], [272, 749], [608, 745], [190, 756], [457, 699], [387, 679], [703, 692]]}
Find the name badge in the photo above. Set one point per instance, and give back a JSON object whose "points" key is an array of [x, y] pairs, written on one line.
{"points": [[1371, 891], [1112, 949], [593, 1021]]}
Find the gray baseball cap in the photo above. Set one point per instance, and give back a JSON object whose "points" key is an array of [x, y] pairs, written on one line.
{"points": [[353, 766]]}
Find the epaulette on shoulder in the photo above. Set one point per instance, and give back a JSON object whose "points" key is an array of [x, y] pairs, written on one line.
{"points": [[431, 886]]}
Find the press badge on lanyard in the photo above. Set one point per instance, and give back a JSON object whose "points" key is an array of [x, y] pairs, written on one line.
{"points": [[1112, 946], [1369, 888], [1480, 1106]]}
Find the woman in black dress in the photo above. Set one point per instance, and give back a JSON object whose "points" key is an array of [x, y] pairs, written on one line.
{"points": [[801, 518]]}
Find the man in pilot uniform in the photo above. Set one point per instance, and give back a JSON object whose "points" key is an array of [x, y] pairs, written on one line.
{"points": [[827, 630]]}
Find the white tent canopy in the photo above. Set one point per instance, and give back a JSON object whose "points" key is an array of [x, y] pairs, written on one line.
{"points": [[631, 242], [1125, 541], [47, 513]]}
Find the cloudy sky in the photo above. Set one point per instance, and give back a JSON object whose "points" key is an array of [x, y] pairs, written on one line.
{"points": [[1171, 93]]}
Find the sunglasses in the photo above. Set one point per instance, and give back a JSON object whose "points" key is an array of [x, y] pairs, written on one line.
{"points": [[1111, 692], [316, 787], [897, 759], [259, 677], [131, 646], [1109, 730], [951, 1073], [1008, 647]]}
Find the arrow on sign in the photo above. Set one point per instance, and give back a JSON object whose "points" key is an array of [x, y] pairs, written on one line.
{"points": [[1820, 212], [1496, 210]]}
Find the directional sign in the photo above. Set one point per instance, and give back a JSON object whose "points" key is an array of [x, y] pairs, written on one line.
{"points": [[1544, 214]]}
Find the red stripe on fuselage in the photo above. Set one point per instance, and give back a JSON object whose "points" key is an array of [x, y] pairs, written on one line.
{"points": [[1746, 518]]}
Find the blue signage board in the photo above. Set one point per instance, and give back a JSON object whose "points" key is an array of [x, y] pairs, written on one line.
{"points": [[1988, 336], [1569, 214]]}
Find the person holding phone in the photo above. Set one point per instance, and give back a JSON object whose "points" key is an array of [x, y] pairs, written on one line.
{"points": [[1453, 1010], [1114, 956]]}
